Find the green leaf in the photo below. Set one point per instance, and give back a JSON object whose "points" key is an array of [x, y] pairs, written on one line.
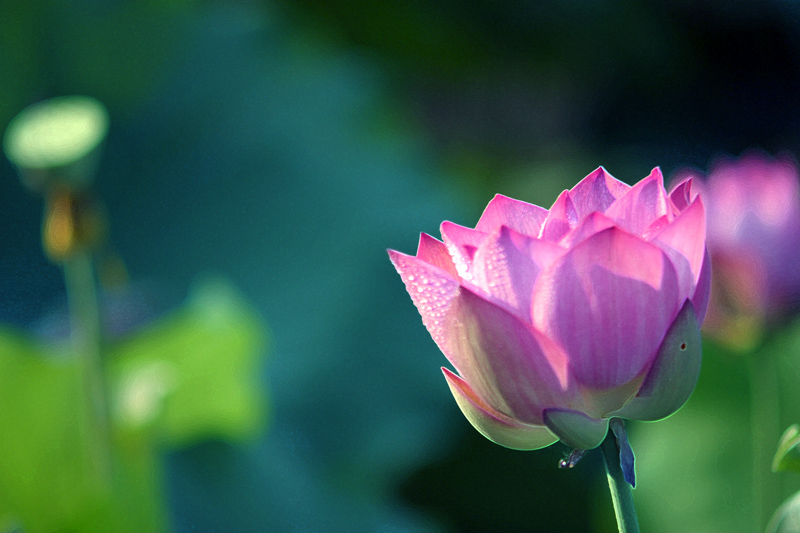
{"points": [[693, 468], [196, 373], [787, 458], [43, 450], [55, 474], [192, 375], [696, 467]]}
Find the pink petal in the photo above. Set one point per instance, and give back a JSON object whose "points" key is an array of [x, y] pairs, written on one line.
{"points": [[522, 217], [684, 241], [702, 292], [590, 225], [641, 205], [493, 424], [462, 243], [685, 191], [502, 359], [507, 264], [433, 251], [608, 303], [561, 218], [499, 355], [596, 192], [431, 289], [657, 226]]}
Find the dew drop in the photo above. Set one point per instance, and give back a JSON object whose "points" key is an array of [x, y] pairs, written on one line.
{"points": [[572, 459]]}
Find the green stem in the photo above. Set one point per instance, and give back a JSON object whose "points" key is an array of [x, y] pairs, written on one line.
{"points": [[764, 431], [621, 493], [86, 337]]}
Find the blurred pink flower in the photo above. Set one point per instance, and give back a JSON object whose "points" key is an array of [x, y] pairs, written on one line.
{"points": [[558, 320], [754, 240]]}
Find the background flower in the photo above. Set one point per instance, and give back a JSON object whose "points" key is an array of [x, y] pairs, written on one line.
{"points": [[754, 241]]}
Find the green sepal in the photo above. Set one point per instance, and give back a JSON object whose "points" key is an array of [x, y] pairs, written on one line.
{"points": [[576, 429], [674, 374]]}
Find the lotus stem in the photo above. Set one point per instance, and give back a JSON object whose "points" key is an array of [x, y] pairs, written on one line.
{"points": [[765, 432], [86, 337], [621, 494]]}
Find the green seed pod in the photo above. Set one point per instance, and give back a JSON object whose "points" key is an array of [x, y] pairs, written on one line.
{"points": [[56, 143]]}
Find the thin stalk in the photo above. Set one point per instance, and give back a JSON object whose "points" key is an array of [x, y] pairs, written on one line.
{"points": [[765, 432], [621, 494], [86, 337]]}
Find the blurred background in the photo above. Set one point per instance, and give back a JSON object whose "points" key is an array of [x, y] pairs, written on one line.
{"points": [[262, 156]]}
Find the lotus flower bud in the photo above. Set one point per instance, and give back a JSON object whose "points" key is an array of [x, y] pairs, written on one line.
{"points": [[558, 320], [754, 241]]}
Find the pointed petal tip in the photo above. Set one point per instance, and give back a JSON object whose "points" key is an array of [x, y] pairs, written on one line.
{"points": [[657, 176], [425, 237], [596, 173], [600, 171], [435, 252], [394, 256], [561, 218], [590, 178], [686, 235], [522, 217]]}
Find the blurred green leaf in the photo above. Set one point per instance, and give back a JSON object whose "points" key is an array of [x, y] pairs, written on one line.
{"points": [[693, 467], [43, 449], [696, 466], [53, 476], [194, 374], [787, 458], [787, 518]]}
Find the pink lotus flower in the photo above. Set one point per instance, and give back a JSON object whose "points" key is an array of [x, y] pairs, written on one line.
{"points": [[753, 238], [557, 321]]}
